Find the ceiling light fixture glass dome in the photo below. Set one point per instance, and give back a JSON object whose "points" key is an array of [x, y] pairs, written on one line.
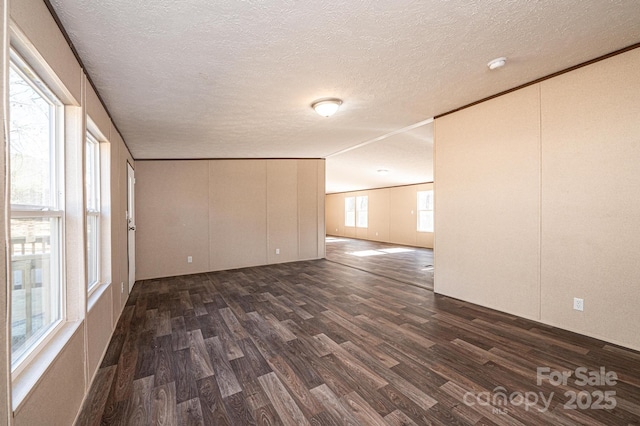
{"points": [[326, 107], [497, 63]]}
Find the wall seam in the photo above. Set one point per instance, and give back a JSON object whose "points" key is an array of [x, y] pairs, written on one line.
{"points": [[540, 202], [209, 236], [266, 209]]}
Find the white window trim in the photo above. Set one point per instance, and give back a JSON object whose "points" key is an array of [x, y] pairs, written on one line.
{"points": [[349, 225], [33, 368], [359, 212], [92, 286], [418, 209], [32, 358]]}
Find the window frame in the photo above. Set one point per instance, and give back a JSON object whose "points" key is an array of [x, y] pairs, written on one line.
{"points": [[350, 212], [55, 210], [429, 207], [360, 212], [93, 211]]}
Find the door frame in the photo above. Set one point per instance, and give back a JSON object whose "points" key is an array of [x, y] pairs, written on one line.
{"points": [[131, 227]]}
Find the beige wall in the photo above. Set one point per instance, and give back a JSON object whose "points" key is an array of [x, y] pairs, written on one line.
{"points": [[392, 216], [536, 201], [71, 364], [590, 199], [487, 203], [226, 214]]}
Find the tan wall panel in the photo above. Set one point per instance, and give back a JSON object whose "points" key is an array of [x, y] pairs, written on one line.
{"points": [[96, 111], [33, 18], [57, 397], [590, 203], [487, 173], [350, 231], [282, 210], [334, 214], [402, 215], [379, 214], [392, 216], [308, 208], [320, 191], [424, 239], [98, 330], [172, 212], [362, 233], [238, 213]]}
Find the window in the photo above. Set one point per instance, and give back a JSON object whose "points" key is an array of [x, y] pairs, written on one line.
{"points": [[92, 182], [350, 211], [35, 167], [356, 211], [425, 211], [362, 211]]}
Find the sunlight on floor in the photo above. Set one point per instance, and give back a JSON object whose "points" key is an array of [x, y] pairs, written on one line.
{"points": [[334, 240], [366, 253], [396, 250]]}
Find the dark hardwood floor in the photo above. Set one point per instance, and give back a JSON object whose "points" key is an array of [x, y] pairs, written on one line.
{"points": [[324, 344], [411, 265]]}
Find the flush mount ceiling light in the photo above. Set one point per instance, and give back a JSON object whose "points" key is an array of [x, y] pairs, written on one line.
{"points": [[326, 107], [497, 63]]}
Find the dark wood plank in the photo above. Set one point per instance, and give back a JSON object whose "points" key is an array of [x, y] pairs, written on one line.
{"points": [[189, 413], [321, 343], [224, 374], [285, 406], [164, 405]]}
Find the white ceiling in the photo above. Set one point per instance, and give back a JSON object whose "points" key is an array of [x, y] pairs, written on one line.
{"points": [[407, 155], [235, 79]]}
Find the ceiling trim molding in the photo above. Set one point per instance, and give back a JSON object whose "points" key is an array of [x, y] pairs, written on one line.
{"points": [[547, 77], [381, 187], [55, 17], [230, 158], [385, 136]]}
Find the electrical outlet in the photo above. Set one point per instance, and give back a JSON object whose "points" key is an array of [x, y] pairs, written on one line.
{"points": [[189, 259], [578, 304], [277, 251]]}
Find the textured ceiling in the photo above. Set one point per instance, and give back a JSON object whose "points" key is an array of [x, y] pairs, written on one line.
{"points": [[407, 155], [229, 78]]}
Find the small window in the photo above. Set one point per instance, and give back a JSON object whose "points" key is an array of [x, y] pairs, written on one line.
{"points": [[350, 211], [425, 211], [35, 165], [92, 182], [362, 211]]}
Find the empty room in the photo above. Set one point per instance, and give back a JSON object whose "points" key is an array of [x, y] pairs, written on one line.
{"points": [[320, 213]]}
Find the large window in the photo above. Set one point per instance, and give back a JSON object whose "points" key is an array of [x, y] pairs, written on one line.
{"points": [[362, 211], [356, 211], [92, 181], [350, 211], [425, 211], [35, 168]]}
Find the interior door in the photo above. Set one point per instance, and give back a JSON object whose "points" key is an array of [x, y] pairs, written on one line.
{"points": [[131, 225]]}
